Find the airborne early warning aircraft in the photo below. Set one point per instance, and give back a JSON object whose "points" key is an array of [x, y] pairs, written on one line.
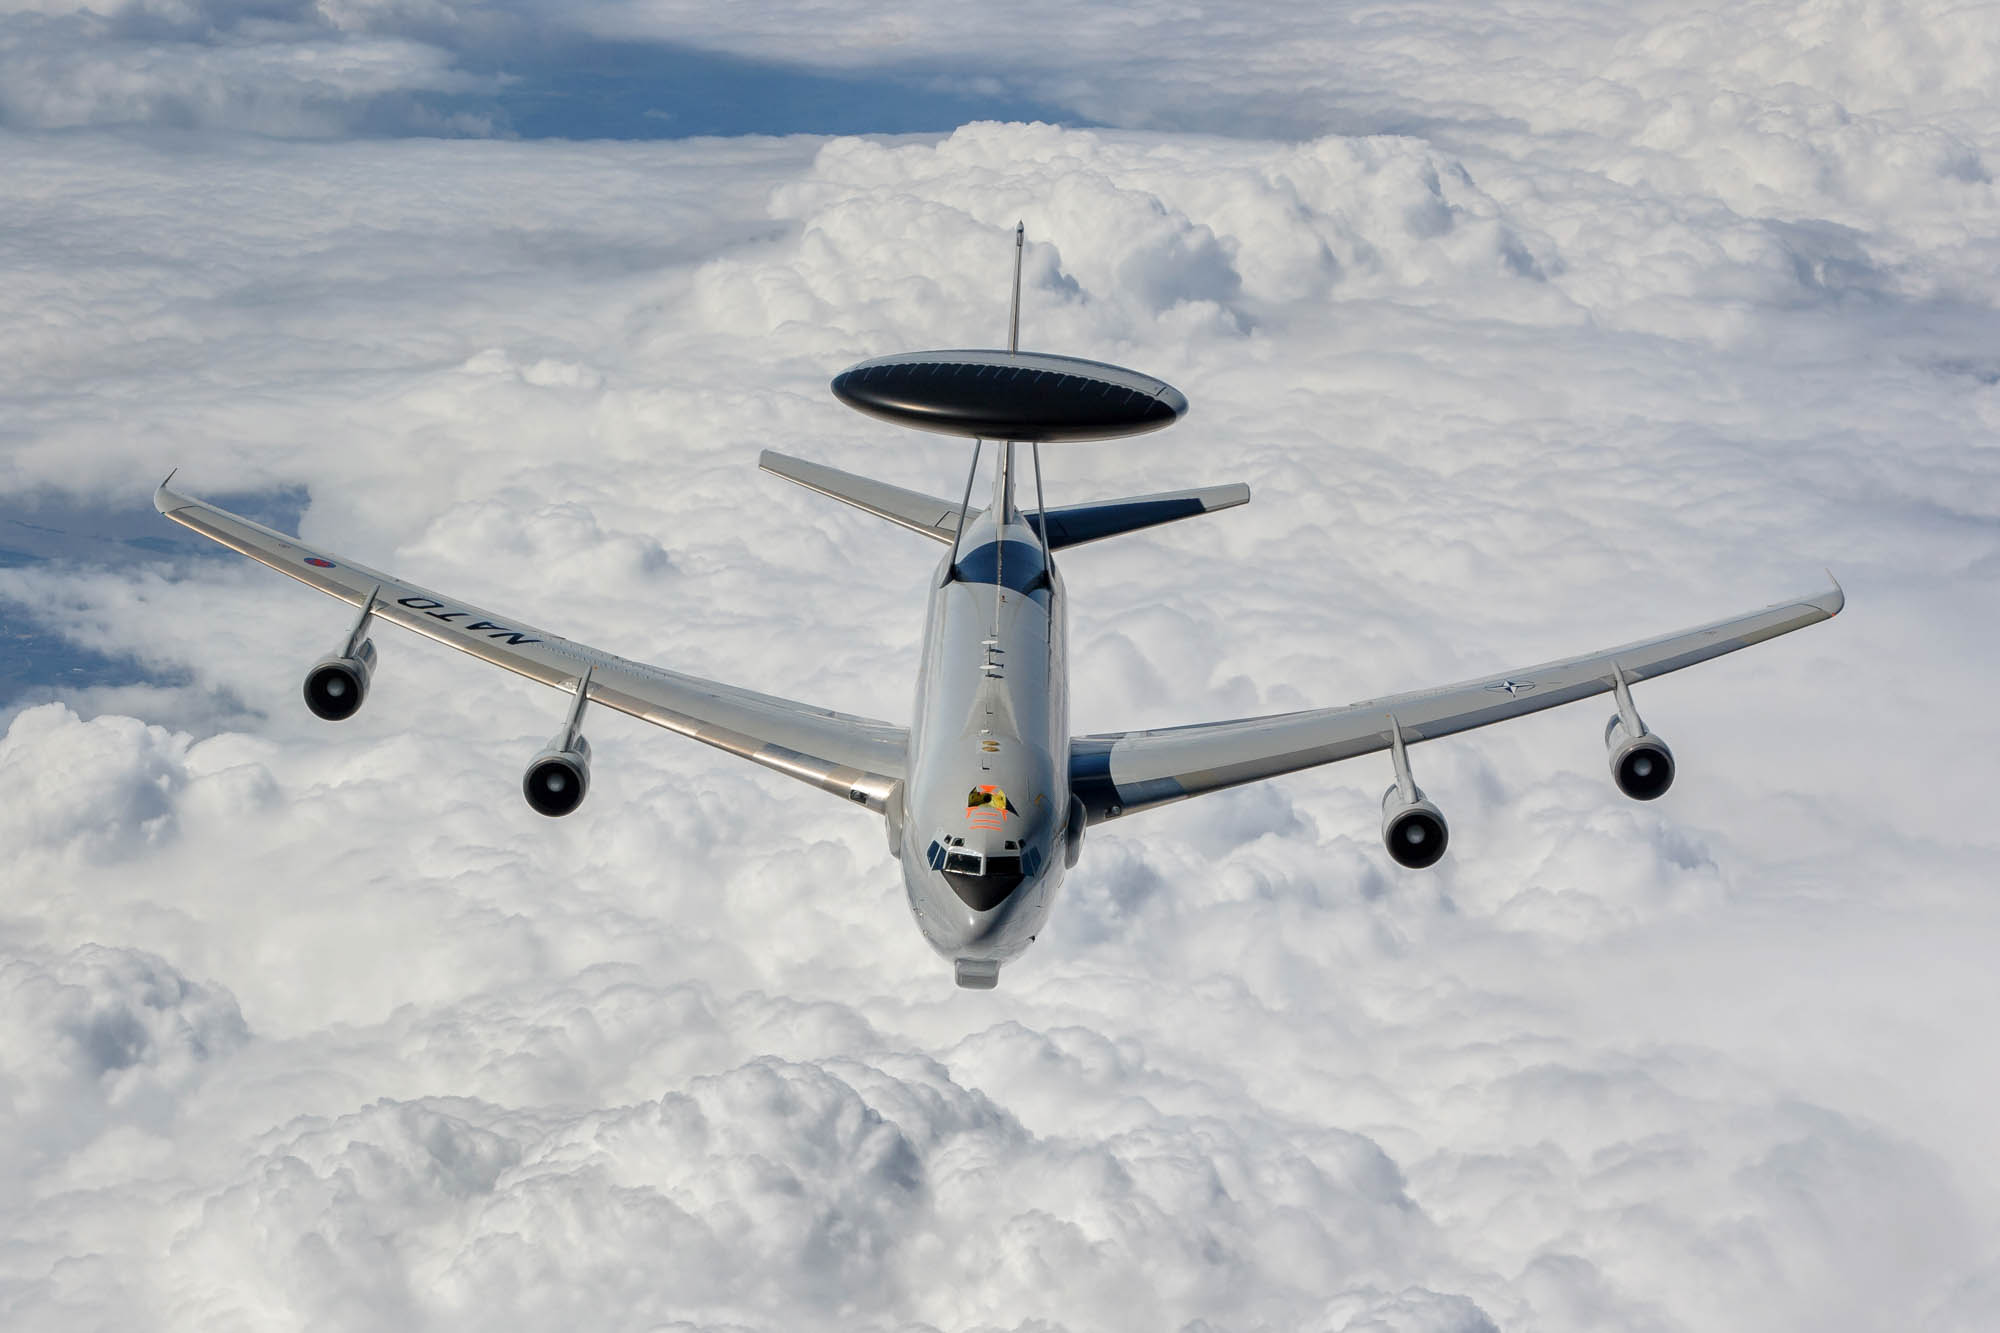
{"points": [[986, 794]]}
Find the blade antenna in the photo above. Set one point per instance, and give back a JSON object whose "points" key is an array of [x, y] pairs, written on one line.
{"points": [[1014, 314]]}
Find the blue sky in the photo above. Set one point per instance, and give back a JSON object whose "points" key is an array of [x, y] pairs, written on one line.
{"points": [[635, 90]]}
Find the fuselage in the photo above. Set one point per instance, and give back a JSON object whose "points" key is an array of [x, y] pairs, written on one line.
{"points": [[986, 817]]}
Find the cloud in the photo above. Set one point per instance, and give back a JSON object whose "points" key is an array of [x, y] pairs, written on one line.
{"points": [[319, 1025], [109, 798], [105, 1045], [283, 75]]}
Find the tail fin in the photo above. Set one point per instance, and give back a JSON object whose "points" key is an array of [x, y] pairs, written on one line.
{"points": [[1069, 525]]}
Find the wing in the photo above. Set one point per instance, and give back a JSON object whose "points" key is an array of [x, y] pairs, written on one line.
{"points": [[852, 757], [1123, 772]]}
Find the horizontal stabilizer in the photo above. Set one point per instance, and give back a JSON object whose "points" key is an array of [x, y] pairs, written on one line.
{"points": [[1069, 525], [936, 519], [1072, 525]]}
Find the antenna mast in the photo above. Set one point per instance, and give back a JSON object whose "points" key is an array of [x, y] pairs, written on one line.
{"points": [[1014, 314]]}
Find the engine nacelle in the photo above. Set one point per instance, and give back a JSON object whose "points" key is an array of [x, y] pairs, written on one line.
{"points": [[1414, 831], [558, 779], [1642, 765], [337, 685]]}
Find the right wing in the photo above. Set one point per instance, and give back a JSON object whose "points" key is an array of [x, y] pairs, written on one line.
{"points": [[852, 757], [1121, 773]]}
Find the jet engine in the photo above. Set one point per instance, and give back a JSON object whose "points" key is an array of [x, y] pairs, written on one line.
{"points": [[1413, 830], [1641, 765], [338, 682], [559, 777]]}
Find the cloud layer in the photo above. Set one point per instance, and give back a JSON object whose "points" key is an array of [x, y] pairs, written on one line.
{"points": [[311, 1026]]}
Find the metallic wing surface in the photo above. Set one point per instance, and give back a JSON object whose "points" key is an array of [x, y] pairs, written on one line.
{"points": [[855, 758], [1120, 773]]}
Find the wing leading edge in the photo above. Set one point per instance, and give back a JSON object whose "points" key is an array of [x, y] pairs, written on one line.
{"points": [[856, 758], [1120, 773]]}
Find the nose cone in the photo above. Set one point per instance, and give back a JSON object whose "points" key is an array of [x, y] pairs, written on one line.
{"points": [[969, 931]]}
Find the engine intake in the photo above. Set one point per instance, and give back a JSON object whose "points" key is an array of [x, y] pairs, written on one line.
{"points": [[1414, 831], [1642, 765], [337, 685], [557, 780]]}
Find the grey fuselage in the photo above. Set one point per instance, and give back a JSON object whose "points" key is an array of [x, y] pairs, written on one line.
{"points": [[987, 828]]}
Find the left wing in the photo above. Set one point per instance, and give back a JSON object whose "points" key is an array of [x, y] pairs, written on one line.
{"points": [[1120, 773], [853, 757]]}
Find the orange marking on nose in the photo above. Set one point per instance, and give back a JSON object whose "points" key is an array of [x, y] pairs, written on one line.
{"points": [[986, 808]]}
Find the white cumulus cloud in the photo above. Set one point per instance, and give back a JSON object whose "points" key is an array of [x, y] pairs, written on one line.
{"points": [[1635, 319]]}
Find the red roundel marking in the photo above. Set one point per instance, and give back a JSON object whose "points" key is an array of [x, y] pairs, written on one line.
{"points": [[318, 563]]}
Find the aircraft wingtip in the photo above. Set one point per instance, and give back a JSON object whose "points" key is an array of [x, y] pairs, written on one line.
{"points": [[1835, 600], [161, 493]]}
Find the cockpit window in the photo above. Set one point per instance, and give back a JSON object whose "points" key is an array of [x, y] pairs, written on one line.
{"points": [[982, 887], [1016, 565]]}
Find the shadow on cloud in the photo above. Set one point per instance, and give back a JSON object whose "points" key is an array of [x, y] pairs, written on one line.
{"points": [[291, 71]]}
